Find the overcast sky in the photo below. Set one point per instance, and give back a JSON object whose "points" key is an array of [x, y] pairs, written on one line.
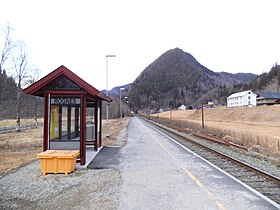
{"points": [[223, 35]]}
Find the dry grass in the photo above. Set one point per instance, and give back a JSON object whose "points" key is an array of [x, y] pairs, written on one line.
{"points": [[18, 148], [10, 122], [245, 126], [259, 145], [114, 129]]}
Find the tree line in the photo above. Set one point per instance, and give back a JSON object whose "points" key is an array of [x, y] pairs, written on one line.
{"points": [[265, 82], [16, 72]]}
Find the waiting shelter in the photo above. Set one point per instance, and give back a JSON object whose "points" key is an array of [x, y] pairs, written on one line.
{"points": [[72, 112]]}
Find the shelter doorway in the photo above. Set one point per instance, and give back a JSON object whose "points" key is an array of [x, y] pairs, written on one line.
{"points": [[64, 123]]}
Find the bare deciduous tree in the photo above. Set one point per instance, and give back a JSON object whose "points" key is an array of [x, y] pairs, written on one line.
{"points": [[24, 74], [7, 47], [14, 61]]}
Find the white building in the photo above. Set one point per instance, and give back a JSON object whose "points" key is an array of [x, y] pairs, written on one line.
{"points": [[245, 98], [182, 107]]}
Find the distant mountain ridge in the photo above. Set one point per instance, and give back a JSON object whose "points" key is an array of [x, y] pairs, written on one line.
{"points": [[115, 92], [177, 78]]}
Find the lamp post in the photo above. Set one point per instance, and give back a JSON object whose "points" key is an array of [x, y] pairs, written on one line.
{"points": [[107, 93], [121, 102], [126, 100]]}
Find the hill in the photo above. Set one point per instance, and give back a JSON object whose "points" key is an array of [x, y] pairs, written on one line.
{"points": [[176, 78], [268, 81]]}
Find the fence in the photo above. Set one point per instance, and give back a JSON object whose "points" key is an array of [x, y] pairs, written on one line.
{"points": [[6, 129]]}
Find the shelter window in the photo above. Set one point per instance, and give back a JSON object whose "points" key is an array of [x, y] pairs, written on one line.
{"points": [[64, 124]]}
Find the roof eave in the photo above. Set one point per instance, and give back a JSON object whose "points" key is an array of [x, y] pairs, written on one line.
{"points": [[35, 87]]}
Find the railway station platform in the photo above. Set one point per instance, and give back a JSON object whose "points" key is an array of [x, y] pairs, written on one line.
{"points": [[159, 173]]}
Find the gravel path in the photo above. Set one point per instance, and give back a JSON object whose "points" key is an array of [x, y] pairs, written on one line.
{"points": [[26, 188]]}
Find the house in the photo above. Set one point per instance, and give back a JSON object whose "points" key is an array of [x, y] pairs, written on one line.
{"points": [[268, 98], [244, 98], [210, 104], [182, 107]]}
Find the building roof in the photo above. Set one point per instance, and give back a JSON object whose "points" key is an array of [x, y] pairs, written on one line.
{"points": [[38, 87], [240, 94], [182, 107], [270, 95]]}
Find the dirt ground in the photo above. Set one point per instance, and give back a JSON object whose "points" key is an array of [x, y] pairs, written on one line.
{"points": [[18, 148], [259, 124]]}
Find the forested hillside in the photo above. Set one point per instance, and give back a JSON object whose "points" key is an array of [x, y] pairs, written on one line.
{"points": [[177, 78], [269, 81], [265, 82], [30, 105]]}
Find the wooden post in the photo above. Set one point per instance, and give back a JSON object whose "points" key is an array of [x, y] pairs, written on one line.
{"points": [[202, 117], [76, 121], [100, 123], [46, 123], [60, 123], [95, 125], [83, 130], [69, 122]]}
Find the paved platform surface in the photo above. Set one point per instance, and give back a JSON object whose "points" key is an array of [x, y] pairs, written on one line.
{"points": [[107, 157], [157, 173]]}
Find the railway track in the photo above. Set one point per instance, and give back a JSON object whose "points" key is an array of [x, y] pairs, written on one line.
{"points": [[264, 183]]}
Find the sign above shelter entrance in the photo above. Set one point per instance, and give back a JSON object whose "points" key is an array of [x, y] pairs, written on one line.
{"points": [[65, 101]]}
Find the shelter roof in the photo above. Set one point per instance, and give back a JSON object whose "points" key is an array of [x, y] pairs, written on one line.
{"points": [[38, 87]]}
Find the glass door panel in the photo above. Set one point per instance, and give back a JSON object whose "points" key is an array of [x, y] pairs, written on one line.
{"points": [[64, 124]]}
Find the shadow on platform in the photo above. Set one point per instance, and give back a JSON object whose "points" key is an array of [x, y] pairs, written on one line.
{"points": [[107, 157]]}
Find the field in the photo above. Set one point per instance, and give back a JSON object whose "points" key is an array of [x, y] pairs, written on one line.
{"points": [[18, 148], [257, 128], [248, 126]]}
